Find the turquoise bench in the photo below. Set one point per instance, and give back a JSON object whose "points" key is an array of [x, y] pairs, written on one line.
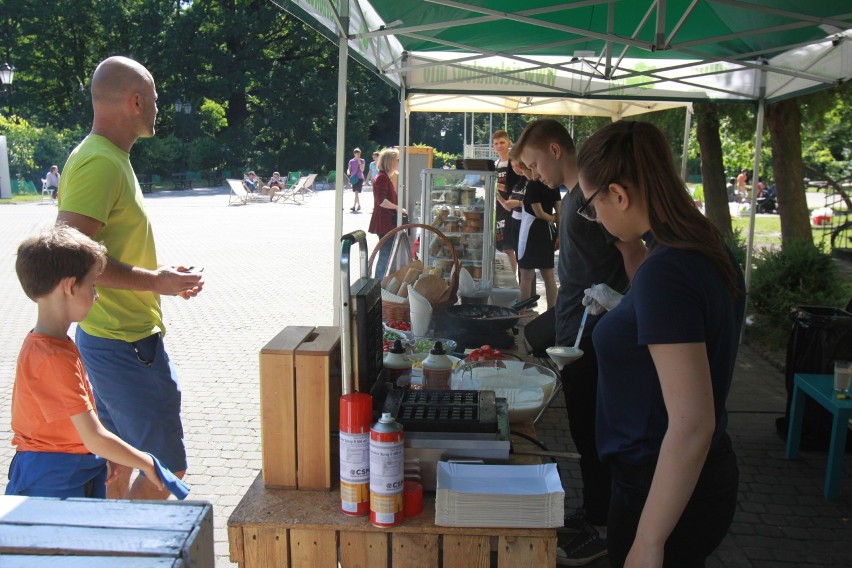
{"points": [[820, 388]]}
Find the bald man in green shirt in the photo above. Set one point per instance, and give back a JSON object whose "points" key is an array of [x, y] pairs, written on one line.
{"points": [[121, 340]]}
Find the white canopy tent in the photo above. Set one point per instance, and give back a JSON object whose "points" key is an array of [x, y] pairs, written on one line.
{"points": [[592, 55], [616, 109]]}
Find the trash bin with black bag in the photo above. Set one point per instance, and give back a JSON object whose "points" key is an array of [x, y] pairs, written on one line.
{"points": [[820, 335]]}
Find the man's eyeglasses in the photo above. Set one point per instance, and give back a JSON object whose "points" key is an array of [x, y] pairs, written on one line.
{"points": [[587, 211]]}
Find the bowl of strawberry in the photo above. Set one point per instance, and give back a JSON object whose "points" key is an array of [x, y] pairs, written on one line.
{"points": [[485, 353], [399, 325]]}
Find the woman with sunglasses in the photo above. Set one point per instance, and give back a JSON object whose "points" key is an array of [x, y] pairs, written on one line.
{"points": [[666, 356]]}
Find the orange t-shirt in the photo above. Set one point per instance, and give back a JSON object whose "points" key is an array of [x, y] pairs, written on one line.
{"points": [[51, 386]]}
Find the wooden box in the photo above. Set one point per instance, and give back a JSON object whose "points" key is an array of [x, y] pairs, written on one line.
{"points": [[299, 407], [101, 533]]}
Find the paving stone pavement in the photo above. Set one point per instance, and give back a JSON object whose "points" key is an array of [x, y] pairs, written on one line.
{"points": [[269, 265]]}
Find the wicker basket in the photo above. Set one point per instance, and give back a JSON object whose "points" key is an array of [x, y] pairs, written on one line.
{"points": [[394, 311], [397, 311]]}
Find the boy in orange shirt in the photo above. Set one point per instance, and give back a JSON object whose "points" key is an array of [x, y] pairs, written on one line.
{"points": [[62, 448]]}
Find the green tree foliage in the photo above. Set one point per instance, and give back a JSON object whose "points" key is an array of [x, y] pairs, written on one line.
{"points": [[262, 84], [33, 149], [827, 139], [736, 132]]}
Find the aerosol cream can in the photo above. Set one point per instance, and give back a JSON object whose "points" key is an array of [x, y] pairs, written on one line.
{"points": [[387, 472], [356, 414]]}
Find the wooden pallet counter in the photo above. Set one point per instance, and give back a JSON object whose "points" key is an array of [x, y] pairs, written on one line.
{"points": [[303, 529]]}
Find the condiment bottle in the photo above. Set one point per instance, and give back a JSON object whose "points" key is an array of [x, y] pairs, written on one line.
{"points": [[397, 367], [437, 369]]}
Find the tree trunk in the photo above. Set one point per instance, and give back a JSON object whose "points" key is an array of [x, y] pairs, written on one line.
{"points": [[785, 127], [712, 168]]}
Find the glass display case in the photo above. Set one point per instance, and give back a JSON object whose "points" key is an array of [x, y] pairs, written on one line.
{"points": [[460, 204]]}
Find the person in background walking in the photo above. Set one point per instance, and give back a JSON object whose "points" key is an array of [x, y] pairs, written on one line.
{"points": [[136, 387], [355, 171], [373, 169], [666, 354]]}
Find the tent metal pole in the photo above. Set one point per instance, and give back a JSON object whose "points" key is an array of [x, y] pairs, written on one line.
{"points": [[684, 156], [758, 141], [408, 199], [401, 186], [342, 63], [464, 134]]}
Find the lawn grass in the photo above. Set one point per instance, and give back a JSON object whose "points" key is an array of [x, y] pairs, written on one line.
{"points": [[165, 185], [25, 198], [767, 230]]}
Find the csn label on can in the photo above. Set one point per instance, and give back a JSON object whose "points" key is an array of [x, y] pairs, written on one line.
{"points": [[355, 457]]}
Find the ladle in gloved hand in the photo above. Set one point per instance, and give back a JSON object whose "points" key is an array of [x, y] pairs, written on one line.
{"points": [[566, 355]]}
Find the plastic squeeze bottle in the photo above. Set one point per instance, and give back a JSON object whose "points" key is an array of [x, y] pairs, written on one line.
{"points": [[397, 367], [437, 369]]}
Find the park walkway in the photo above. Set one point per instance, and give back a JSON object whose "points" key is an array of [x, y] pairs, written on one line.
{"points": [[269, 265]]}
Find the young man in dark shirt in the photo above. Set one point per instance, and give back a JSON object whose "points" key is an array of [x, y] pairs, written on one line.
{"points": [[588, 255]]}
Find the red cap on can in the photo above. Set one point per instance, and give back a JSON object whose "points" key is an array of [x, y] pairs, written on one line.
{"points": [[412, 499], [356, 412]]}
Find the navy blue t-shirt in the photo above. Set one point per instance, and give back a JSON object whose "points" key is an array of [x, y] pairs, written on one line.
{"points": [[677, 296]]}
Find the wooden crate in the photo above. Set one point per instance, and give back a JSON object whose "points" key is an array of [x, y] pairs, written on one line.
{"points": [[293, 529], [103, 533], [299, 407]]}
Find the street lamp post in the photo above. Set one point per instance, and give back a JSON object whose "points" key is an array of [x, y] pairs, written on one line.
{"points": [[183, 107], [7, 75]]}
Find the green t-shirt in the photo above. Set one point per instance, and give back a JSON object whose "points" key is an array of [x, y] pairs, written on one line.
{"points": [[98, 182]]}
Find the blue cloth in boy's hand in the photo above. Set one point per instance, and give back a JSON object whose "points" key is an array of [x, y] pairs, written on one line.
{"points": [[172, 482]]}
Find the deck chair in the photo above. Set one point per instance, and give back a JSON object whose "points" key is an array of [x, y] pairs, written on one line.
{"points": [[291, 193], [239, 193], [293, 178], [48, 193], [308, 188]]}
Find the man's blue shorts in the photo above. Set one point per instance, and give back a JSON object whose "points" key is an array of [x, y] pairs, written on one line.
{"points": [[51, 474], [137, 394]]}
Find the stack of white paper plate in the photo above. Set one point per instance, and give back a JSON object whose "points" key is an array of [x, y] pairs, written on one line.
{"points": [[512, 496]]}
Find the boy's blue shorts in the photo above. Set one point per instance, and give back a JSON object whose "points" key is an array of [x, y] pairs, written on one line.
{"points": [[51, 474], [137, 394]]}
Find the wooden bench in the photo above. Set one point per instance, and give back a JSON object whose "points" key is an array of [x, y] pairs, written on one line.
{"points": [[145, 183], [181, 181], [36, 531], [215, 179]]}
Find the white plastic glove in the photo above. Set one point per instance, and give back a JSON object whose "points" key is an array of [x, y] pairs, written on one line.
{"points": [[601, 298]]}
